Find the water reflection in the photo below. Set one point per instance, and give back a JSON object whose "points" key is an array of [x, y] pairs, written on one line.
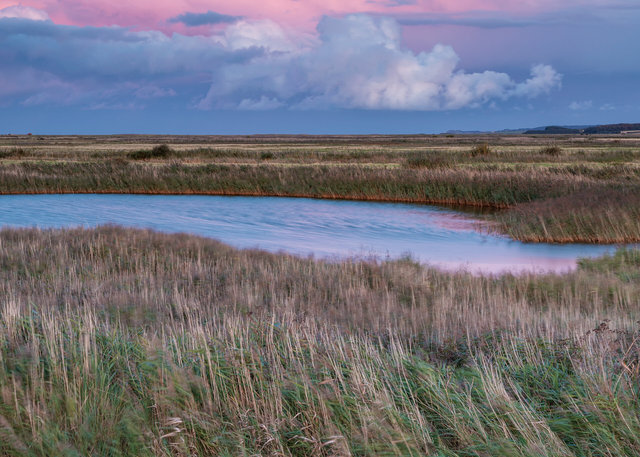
{"points": [[324, 228]]}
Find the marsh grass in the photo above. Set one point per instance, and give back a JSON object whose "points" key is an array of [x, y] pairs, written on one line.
{"points": [[430, 159], [14, 152], [328, 149], [485, 187], [128, 342], [588, 216]]}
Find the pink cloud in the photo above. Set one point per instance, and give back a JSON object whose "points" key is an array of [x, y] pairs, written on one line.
{"points": [[23, 12], [153, 14]]}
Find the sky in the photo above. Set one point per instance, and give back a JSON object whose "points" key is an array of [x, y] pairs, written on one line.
{"points": [[315, 67]]}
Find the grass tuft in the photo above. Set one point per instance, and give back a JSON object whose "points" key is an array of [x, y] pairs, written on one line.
{"points": [[481, 150], [551, 150]]}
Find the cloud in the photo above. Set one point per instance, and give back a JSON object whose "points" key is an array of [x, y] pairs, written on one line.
{"points": [[264, 104], [392, 3], [480, 19], [46, 63], [359, 62], [500, 18], [353, 62], [153, 91], [581, 106], [264, 34], [543, 80], [208, 18], [23, 12], [108, 54]]}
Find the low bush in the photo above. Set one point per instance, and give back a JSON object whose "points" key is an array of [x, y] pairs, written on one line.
{"points": [[158, 152], [480, 150], [551, 150]]}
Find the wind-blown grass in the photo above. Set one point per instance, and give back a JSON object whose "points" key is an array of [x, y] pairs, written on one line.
{"points": [[128, 342]]}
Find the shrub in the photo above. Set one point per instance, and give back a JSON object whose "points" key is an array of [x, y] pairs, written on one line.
{"points": [[551, 150], [480, 150], [267, 156], [160, 151]]}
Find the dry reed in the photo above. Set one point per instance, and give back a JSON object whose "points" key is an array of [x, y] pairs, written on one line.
{"points": [[129, 342]]}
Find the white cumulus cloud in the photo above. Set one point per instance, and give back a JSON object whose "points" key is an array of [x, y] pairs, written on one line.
{"points": [[352, 62], [543, 79], [358, 61]]}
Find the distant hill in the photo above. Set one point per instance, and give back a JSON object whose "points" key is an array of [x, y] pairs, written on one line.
{"points": [[465, 132], [560, 130], [612, 128], [535, 130], [554, 130], [587, 130]]}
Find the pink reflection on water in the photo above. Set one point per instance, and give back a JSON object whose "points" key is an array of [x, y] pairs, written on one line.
{"points": [[513, 266], [458, 222]]}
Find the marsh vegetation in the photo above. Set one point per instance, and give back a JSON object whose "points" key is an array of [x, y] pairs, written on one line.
{"points": [[129, 342], [565, 189]]}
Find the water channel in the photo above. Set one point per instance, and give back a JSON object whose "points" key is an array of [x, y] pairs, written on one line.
{"points": [[331, 229]]}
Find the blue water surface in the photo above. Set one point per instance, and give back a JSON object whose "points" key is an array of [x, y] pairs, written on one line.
{"points": [[323, 228]]}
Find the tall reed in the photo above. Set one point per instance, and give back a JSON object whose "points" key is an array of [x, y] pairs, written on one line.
{"points": [[129, 342]]}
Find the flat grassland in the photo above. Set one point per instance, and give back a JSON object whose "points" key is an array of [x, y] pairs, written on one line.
{"points": [[123, 342], [554, 189]]}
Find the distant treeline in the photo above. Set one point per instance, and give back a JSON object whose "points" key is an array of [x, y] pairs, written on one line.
{"points": [[597, 129]]}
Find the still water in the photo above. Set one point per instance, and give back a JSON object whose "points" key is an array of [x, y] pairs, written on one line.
{"points": [[322, 228]]}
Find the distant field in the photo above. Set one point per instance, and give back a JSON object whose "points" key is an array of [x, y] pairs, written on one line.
{"points": [[549, 188]]}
